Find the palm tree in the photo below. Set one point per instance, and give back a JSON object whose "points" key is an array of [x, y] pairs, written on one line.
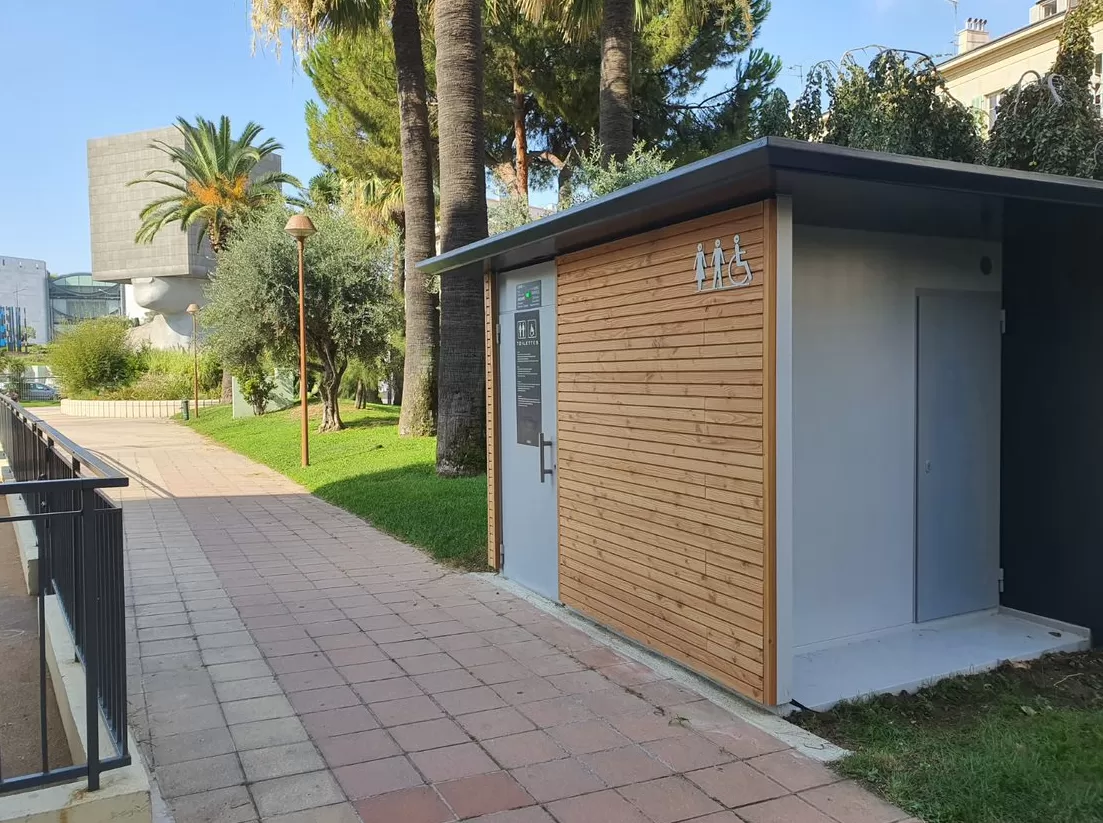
{"points": [[213, 180], [616, 21], [461, 400], [213, 183], [307, 20]]}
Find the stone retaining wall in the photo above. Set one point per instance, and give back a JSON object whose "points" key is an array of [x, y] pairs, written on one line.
{"points": [[127, 408]]}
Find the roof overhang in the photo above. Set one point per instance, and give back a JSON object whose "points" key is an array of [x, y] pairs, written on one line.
{"points": [[830, 186]]}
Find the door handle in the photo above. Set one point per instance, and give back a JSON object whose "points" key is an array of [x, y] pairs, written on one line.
{"points": [[544, 472]]}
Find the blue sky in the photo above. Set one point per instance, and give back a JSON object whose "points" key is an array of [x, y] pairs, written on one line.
{"points": [[90, 69]]}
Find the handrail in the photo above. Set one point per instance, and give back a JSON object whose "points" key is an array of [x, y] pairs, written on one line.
{"points": [[110, 476]]}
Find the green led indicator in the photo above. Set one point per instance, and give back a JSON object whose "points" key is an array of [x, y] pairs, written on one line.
{"points": [[528, 294]]}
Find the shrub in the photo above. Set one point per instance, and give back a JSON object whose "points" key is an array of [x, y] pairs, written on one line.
{"points": [[257, 388], [93, 355]]}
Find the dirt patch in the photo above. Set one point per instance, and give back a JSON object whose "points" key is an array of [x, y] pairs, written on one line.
{"points": [[1056, 681], [20, 735]]}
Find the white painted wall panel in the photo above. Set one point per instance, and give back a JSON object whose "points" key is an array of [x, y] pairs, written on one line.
{"points": [[854, 339]]}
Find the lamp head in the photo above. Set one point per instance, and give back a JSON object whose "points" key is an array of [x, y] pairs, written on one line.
{"points": [[192, 308], [300, 227]]}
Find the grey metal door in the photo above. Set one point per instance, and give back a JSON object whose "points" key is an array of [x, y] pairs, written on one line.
{"points": [[957, 454], [526, 362]]}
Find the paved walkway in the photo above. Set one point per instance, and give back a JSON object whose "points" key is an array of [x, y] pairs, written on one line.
{"points": [[289, 663]]}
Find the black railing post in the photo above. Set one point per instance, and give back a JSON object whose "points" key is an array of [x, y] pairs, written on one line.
{"points": [[90, 551]]}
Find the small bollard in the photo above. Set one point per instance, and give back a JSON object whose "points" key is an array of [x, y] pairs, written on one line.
{"points": [[185, 407]]}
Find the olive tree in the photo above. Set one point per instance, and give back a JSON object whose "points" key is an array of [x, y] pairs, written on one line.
{"points": [[350, 309]]}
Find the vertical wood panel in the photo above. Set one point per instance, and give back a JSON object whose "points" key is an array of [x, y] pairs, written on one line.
{"points": [[490, 311], [666, 398]]}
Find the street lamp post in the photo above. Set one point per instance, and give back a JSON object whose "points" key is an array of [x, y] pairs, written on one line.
{"points": [[300, 227], [193, 310]]}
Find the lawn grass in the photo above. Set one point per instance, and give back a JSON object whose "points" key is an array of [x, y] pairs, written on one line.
{"points": [[1023, 744], [370, 471]]}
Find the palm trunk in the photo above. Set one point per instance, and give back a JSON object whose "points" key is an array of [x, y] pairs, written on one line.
{"points": [[615, 104], [419, 380], [461, 425], [520, 135]]}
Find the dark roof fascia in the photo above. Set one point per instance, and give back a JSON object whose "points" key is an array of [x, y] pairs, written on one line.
{"points": [[684, 192]]}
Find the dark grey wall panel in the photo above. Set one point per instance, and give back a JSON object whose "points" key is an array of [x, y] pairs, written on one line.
{"points": [[1052, 456]]}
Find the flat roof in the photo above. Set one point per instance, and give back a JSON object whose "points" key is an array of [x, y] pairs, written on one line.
{"points": [[762, 168]]}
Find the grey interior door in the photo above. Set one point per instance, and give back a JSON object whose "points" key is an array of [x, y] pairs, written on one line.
{"points": [[526, 362], [958, 453]]}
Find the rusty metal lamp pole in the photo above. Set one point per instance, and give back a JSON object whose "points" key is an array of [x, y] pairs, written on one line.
{"points": [[300, 227], [193, 310]]}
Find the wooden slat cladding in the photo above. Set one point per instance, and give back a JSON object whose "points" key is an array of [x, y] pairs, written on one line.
{"points": [[490, 321], [666, 445]]}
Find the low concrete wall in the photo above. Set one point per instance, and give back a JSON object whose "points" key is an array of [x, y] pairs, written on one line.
{"points": [[124, 794], [127, 408]]}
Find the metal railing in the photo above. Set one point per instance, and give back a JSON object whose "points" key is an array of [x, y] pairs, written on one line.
{"points": [[80, 559]]}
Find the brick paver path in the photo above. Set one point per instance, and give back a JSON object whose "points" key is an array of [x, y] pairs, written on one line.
{"points": [[290, 663]]}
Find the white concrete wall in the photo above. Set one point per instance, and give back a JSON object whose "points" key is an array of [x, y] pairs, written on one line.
{"points": [[853, 425]]}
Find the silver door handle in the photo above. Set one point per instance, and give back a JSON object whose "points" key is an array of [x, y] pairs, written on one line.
{"points": [[927, 467], [544, 472]]}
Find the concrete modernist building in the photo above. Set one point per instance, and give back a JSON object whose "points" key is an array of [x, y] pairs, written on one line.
{"points": [[23, 287], [166, 275], [984, 68], [814, 422], [76, 296]]}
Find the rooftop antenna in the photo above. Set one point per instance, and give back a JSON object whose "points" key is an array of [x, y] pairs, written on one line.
{"points": [[953, 42]]}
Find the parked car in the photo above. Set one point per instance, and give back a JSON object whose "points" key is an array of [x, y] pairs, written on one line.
{"points": [[28, 390]]}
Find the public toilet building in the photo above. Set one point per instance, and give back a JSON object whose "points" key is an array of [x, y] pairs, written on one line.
{"points": [[812, 422]]}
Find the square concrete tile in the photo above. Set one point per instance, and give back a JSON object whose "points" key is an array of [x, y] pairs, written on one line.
{"points": [[479, 655], [484, 794], [428, 663], [669, 799], [495, 673], [295, 793], [557, 779], [850, 803], [409, 648], [338, 813], [232, 805], [611, 702], [377, 777], [664, 693], [554, 664], [317, 700], [233, 690], [587, 737], [465, 701], [599, 807], [736, 784], [367, 672], [257, 708], [192, 776], [358, 747], [311, 679], [793, 770], [643, 728], [334, 722], [495, 723], [405, 710], [263, 733], [419, 805], [529, 814], [299, 663], [526, 691], [239, 671], [619, 767], [556, 711], [198, 718], [688, 752], [364, 652], [453, 762], [446, 681], [744, 741], [280, 761], [379, 691], [788, 809], [192, 746], [524, 749], [429, 734], [580, 682]]}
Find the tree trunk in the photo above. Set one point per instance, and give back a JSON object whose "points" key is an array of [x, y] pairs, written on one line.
{"points": [[520, 136], [615, 104], [227, 386], [461, 424], [329, 387], [360, 399], [419, 380]]}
